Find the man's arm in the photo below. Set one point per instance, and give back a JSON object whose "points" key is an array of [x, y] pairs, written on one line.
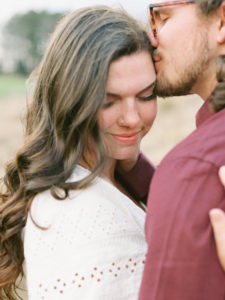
{"points": [[137, 180], [182, 261]]}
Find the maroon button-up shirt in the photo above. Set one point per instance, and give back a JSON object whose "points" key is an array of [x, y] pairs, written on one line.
{"points": [[181, 262]]}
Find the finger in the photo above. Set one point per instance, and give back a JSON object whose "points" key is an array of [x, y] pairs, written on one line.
{"points": [[222, 174], [217, 218]]}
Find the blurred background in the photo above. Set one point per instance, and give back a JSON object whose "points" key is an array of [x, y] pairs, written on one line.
{"points": [[25, 28]]}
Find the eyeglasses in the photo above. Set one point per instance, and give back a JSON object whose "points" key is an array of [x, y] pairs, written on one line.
{"points": [[163, 4]]}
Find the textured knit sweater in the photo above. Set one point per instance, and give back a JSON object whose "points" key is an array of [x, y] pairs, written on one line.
{"points": [[93, 245]]}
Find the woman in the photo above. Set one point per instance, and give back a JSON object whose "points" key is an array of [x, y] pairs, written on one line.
{"points": [[93, 102]]}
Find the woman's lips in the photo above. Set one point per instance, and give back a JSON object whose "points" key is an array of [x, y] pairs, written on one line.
{"points": [[131, 138]]}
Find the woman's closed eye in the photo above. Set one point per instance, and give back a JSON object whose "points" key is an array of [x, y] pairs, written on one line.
{"points": [[107, 104], [148, 93], [110, 100], [152, 96]]}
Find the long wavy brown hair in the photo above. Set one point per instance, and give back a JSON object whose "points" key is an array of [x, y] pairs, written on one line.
{"points": [[69, 90], [217, 101]]}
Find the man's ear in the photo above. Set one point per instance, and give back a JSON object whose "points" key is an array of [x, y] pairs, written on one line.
{"points": [[221, 33]]}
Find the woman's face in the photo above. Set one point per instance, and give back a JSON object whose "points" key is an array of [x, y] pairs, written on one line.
{"points": [[130, 105]]}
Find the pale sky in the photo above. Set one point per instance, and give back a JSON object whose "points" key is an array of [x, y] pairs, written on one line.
{"points": [[138, 8]]}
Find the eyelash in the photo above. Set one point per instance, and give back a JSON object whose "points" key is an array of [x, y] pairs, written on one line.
{"points": [[107, 104], [148, 98]]}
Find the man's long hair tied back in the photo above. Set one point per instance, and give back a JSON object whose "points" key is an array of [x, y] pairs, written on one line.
{"points": [[207, 8], [218, 95]]}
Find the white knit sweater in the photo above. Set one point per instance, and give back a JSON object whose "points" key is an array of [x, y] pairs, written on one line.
{"points": [[94, 247]]}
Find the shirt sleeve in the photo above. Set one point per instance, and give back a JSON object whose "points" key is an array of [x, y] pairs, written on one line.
{"points": [[90, 251], [137, 181], [181, 260]]}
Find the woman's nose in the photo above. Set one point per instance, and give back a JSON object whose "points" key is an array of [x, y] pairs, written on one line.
{"points": [[130, 113]]}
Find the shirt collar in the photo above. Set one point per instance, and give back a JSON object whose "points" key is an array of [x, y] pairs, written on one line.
{"points": [[204, 113]]}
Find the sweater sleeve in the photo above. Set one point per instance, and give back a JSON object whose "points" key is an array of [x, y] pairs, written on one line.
{"points": [[91, 250], [137, 181]]}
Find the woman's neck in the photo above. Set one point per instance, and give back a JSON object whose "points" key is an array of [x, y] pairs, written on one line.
{"points": [[109, 175], [89, 162], [109, 170]]}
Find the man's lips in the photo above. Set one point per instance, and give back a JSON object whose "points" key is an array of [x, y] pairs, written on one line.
{"points": [[156, 57], [157, 60], [156, 54], [127, 138]]}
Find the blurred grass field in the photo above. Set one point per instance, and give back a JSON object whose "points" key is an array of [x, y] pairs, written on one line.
{"points": [[11, 85], [12, 106], [174, 121]]}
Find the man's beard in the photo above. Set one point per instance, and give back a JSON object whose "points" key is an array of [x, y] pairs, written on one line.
{"points": [[187, 75]]}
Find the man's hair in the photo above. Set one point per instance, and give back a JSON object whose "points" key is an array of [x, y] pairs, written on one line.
{"points": [[218, 95], [208, 7]]}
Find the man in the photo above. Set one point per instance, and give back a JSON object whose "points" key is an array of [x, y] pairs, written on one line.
{"points": [[181, 263]]}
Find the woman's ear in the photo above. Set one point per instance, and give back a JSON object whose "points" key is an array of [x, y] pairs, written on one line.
{"points": [[221, 32]]}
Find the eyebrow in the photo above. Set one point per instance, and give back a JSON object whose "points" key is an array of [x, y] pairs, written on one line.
{"points": [[142, 91]]}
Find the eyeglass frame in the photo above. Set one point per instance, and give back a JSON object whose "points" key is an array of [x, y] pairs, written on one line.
{"points": [[163, 4]]}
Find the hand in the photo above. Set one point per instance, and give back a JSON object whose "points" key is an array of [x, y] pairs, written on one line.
{"points": [[217, 218]]}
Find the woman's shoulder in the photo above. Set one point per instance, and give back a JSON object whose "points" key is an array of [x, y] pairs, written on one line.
{"points": [[100, 201], [91, 219]]}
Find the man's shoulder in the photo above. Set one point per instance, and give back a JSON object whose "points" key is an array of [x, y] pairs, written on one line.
{"points": [[206, 143]]}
